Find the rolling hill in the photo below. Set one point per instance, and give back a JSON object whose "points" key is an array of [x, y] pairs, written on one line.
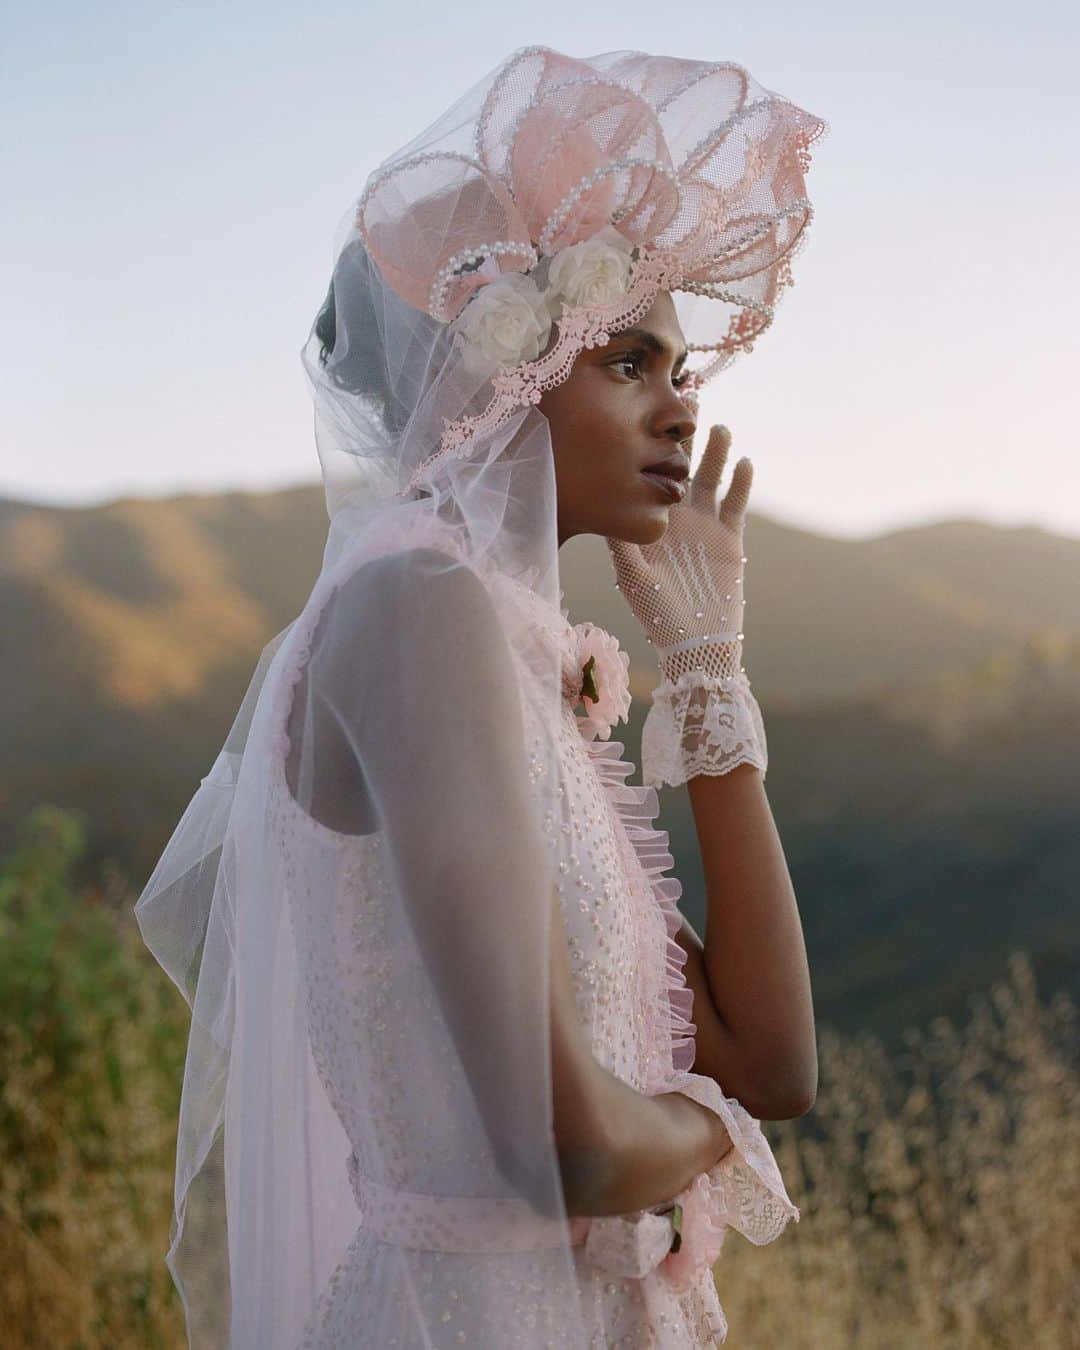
{"points": [[921, 691]]}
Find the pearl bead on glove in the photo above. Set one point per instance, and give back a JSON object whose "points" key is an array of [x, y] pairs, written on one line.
{"points": [[686, 591]]}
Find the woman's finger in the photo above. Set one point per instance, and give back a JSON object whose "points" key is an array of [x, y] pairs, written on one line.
{"points": [[706, 480], [733, 507], [631, 570]]}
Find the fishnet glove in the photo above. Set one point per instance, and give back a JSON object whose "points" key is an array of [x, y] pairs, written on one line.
{"points": [[686, 591]]}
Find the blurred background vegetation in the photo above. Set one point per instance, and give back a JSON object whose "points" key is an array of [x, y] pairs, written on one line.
{"points": [[92, 1041], [939, 1187], [921, 692]]}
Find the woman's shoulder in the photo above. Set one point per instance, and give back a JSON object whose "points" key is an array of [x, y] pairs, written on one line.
{"points": [[419, 589], [418, 583]]}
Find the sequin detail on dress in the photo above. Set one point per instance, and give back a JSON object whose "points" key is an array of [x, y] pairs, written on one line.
{"points": [[621, 916]]}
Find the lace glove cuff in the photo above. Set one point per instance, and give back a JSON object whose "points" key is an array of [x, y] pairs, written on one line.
{"points": [[701, 723], [682, 1239], [744, 1190]]}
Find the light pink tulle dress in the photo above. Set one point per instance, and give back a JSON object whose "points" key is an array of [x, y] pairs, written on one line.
{"points": [[621, 918]]}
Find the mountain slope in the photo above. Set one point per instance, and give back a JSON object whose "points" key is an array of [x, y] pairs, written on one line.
{"points": [[921, 692]]}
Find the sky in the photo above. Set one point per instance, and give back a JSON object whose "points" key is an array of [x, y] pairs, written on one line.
{"points": [[174, 175]]}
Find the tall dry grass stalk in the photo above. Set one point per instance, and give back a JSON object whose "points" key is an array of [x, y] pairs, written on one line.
{"points": [[939, 1192], [938, 1189]]}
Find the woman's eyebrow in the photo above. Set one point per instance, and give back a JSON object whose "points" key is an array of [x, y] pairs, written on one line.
{"points": [[651, 341]]}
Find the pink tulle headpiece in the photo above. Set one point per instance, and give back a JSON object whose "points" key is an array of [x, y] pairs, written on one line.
{"points": [[613, 177]]}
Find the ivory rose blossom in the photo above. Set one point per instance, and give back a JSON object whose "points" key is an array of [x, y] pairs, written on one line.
{"points": [[508, 321], [606, 681], [594, 272], [505, 322]]}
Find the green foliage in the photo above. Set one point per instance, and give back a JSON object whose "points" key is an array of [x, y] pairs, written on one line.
{"points": [[938, 1188], [92, 1041]]}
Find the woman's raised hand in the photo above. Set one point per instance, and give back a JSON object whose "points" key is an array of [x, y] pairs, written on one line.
{"points": [[686, 589]]}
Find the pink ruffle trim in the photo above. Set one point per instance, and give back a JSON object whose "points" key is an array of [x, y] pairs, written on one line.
{"points": [[745, 1189], [637, 808]]}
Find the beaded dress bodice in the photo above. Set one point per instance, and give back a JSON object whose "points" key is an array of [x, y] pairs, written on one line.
{"points": [[620, 915]]}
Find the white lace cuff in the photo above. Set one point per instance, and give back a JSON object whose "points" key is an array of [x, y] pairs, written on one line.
{"points": [[745, 1188], [701, 723]]}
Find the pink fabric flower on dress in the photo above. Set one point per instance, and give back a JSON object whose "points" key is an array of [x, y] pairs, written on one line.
{"points": [[681, 1242], [605, 677], [700, 1229]]}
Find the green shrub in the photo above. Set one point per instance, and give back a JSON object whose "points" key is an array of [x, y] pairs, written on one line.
{"points": [[938, 1196], [92, 1040]]}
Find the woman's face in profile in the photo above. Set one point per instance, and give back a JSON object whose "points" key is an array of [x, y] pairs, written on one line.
{"points": [[619, 411]]}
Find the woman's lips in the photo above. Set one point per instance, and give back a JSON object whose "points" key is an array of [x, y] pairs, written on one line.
{"points": [[673, 489]]}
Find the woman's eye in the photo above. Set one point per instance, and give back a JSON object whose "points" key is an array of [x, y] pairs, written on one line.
{"points": [[635, 363]]}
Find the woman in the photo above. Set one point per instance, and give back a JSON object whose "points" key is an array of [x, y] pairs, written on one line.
{"points": [[458, 1071]]}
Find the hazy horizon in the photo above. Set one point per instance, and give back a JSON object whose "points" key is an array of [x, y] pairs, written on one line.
{"points": [[775, 516], [176, 176]]}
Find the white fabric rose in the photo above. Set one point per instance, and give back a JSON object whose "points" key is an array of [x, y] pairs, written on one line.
{"points": [[594, 272], [505, 322]]}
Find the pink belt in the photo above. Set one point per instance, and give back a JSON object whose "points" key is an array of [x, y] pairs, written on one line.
{"points": [[457, 1223]]}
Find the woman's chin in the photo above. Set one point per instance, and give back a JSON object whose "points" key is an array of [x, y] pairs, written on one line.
{"points": [[635, 526], [646, 528]]}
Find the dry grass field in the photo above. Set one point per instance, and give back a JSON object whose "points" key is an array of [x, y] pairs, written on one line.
{"points": [[939, 1195], [939, 1190]]}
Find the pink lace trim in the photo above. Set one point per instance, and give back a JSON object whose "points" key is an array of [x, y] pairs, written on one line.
{"points": [[578, 327]]}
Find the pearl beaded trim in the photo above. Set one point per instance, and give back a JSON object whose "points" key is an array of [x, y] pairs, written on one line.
{"points": [[446, 273], [492, 96], [709, 142], [578, 326], [572, 82], [585, 326], [388, 171], [799, 206], [686, 263], [541, 96], [697, 78], [560, 213]]}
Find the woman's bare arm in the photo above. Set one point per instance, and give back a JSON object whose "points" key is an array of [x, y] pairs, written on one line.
{"points": [[619, 1150], [753, 1006]]}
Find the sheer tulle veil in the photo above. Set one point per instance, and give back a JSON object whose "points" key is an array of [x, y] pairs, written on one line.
{"points": [[349, 823]]}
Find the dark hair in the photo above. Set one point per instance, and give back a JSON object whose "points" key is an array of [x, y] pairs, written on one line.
{"points": [[360, 329], [350, 340], [326, 326]]}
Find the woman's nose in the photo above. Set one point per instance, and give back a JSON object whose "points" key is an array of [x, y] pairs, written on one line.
{"points": [[676, 421]]}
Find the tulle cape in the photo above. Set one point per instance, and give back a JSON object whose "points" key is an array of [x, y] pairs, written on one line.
{"points": [[357, 902]]}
